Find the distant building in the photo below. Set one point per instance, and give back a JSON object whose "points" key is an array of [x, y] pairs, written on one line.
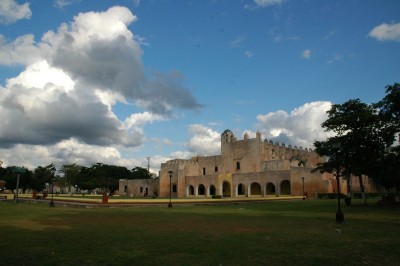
{"points": [[245, 168]]}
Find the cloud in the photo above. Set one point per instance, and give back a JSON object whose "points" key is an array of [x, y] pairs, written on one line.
{"points": [[330, 34], [265, 3], [306, 54], [23, 51], [337, 57], [386, 32], [62, 3], [11, 11], [237, 42], [65, 152], [70, 82], [300, 127], [249, 54], [204, 141]]}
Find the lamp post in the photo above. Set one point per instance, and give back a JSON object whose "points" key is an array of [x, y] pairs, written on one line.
{"points": [[302, 179], [52, 193], [170, 189], [18, 170], [339, 213]]}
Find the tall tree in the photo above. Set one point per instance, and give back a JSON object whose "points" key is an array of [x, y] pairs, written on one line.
{"points": [[71, 175], [388, 175], [43, 175], [358, 130]]}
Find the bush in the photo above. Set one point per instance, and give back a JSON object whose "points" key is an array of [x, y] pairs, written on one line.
{"points": [[388, 199]]}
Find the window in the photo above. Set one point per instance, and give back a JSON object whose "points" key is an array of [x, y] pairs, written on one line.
{"points": [[204, 171], [216, 168], [238, 166], [173, 188]]}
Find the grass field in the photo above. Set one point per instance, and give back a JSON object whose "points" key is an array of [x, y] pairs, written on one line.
{"points": [[270, 233]]}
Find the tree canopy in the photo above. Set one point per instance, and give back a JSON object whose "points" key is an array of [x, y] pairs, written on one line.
{"points": [[98, 176], [367, 137]]}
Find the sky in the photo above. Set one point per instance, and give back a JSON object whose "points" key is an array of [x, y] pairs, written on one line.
{"points": [[133, 82]]}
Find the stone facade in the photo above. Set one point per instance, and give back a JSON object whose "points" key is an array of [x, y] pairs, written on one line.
{"points": [[138, 187], [245, 168]]}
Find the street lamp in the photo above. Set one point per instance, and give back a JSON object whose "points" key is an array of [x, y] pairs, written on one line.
{"points": [[170, 189], [339, 213], [302, 179], [52, 193]]}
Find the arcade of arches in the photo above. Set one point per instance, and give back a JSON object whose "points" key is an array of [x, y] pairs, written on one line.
{"points": [[226, 189]]}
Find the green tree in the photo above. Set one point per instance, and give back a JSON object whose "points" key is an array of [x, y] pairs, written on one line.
{"points": [[71, 174], [358, 131], [10, 177], [103, 176], [86, 179], [140, 173], [388, 175], [41, 176]]}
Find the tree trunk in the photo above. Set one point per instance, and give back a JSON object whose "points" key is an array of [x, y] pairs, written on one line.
{"points": [[348, 198], [362, 189]]}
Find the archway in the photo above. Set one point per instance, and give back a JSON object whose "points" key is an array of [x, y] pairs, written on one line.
{"points": [[191, 190], [241, 189], [226, 189], [212, 190], [201, 190], [255, 189], [285, 187], [271, 189]]}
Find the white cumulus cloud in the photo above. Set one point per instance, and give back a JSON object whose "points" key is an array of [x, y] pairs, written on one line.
{"points": [[11, 11], [71, 80], [203, 140], [386, 32], [300, 127]]}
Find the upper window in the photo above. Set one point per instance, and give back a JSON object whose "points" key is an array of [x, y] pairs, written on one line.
{"points": [[237, 165]]}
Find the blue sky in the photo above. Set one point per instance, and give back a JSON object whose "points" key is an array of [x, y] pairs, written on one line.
{"points": [[118, 81]]}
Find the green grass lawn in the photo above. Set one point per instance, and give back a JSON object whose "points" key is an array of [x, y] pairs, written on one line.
{"points": [[270, 233]]}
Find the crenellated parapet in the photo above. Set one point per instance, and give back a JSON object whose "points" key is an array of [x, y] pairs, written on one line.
{"points": [[278, 145]]}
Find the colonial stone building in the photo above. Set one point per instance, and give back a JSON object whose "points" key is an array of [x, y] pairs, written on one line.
{"points": [[245, 168]]}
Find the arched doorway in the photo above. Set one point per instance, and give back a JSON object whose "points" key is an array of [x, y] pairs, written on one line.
{"points": [[285, 187], [201, 190], [191, 190], [255, 189], [212, 190], [241, 189], [271, 189], [226, 189]]}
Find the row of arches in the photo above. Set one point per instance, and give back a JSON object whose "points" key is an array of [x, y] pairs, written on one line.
{"points": [[251, 189]]}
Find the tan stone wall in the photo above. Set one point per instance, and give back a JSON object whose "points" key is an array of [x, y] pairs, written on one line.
{"points": [[313, 182], [265, 169], [138, 187]]}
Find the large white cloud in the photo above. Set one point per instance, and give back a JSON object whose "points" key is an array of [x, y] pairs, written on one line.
{"points": [[72, 79], [300, 127], [84, 67], [204, 141], [11, 11], [386, 32]]}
